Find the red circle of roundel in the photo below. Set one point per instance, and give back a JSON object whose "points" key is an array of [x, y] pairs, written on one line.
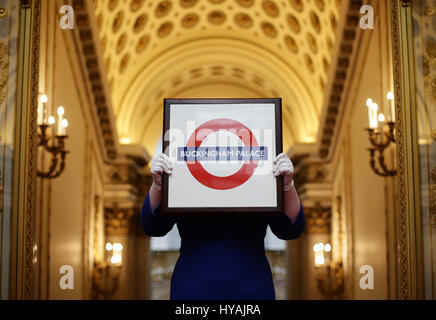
{"points": [[234, 180]]}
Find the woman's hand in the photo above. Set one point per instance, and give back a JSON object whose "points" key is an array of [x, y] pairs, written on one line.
{"points": [[282, 165], [160, 164]]}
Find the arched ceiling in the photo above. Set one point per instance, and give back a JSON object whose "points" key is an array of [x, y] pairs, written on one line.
{"points": [[216, 49]]}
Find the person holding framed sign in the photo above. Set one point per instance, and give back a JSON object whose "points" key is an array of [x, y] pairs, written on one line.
{"points": [[222, 254]]}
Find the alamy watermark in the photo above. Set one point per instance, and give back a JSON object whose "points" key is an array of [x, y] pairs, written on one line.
{"points": [[367, 20], [67, 19], [66, 282]]}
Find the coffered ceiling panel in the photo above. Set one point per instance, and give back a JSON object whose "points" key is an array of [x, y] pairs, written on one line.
{"points": [[216, 49]]}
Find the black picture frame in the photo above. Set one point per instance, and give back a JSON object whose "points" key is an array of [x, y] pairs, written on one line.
{"points": [[223, 210]]}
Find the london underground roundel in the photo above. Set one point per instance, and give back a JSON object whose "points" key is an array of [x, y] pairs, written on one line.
{"points": [[249, 154]]}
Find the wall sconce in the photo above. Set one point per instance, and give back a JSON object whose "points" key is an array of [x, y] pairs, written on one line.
{"points": [[329, 275], [106, 274], [52, 134], [322, 253], [381, 135]]}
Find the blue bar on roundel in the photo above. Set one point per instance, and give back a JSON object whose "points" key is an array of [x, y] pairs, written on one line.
{"points": [[241, 153]]}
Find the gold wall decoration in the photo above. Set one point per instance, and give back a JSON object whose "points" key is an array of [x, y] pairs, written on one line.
{"points": [[428, 63], [4, 70]]}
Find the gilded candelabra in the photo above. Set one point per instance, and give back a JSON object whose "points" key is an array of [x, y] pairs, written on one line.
{"points": [[56, 150], [329, 275], [106, 274], [105, 280], [381, 138], [51, 138], [381, 135], [330, 280]]}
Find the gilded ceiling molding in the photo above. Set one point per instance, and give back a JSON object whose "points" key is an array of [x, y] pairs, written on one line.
{"points": [[335, 94], [88, 38]]}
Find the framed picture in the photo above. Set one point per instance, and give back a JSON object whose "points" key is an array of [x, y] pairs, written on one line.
{"points": [[223, 151]]}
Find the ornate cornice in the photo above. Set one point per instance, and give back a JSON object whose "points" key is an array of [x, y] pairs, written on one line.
{"points": [[334, 98], [89, 42]]}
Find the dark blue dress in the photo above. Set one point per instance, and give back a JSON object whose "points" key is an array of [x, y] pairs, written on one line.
{"points": [[222, 256]]}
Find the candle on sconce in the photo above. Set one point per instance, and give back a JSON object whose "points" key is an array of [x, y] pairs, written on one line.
{"points": [[390, 98], [369, 103], [51, 120], [60, 113], [322, 254], [117, 256], [372, 113], [381, 120], [42, 109], [64, 126]]}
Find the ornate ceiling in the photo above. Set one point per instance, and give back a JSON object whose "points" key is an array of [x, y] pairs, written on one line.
{"points": [[216, 49]]}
